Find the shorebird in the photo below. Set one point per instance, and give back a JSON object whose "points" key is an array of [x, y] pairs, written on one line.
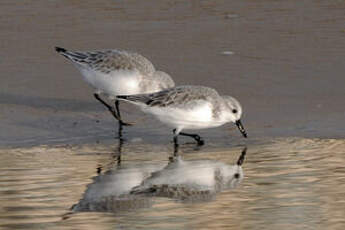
{"points": [[117, 72], [189, 107]]}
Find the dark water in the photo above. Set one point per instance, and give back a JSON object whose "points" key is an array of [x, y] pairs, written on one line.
{"points": [[283, 60], [286, 183]]}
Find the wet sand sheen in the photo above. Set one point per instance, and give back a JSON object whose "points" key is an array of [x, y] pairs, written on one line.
{"points": [[288, 183]]}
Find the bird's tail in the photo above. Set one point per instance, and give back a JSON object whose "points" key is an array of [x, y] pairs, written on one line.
{"points": [[76, 57], [122, 97], [137, 99]]}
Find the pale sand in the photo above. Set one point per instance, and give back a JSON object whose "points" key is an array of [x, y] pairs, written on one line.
{"points": [[284, 61]]}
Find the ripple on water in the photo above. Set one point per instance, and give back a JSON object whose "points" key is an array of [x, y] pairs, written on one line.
{"points": [[288, 183]]}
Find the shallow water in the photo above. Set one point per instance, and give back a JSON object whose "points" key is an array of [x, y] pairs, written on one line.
{"points": [[288, 183]]}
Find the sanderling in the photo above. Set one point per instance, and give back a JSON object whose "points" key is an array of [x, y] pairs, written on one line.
{"points": [[190, 107], [118, 72]]}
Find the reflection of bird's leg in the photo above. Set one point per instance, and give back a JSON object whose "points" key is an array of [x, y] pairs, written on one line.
{"points": [[175, 155], [119, 151], [99, 169], [117, 103], [115, 157], [195, 136], [118, 160], [175, 150]]}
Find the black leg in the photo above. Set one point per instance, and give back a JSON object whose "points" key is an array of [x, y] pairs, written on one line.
{"points": [[117, 103], [175, 139], [119, 131], [110, 108], [195, 136]]}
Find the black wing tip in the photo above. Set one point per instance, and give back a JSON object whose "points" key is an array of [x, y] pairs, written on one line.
{"points": [[121, 96], [60, 50]]}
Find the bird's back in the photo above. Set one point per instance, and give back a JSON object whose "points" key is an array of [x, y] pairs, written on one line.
{"points": [[107, 61], [115, 72], [177, 96]]}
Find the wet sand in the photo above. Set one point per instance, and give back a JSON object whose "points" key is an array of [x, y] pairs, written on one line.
{"points": [[286, 65]]}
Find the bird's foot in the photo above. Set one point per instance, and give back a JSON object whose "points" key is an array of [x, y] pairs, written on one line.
{"points": [[199, 140], [122, 123]]}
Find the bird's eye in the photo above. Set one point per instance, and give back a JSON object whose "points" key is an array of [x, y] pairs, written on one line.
{"points": [[234, 110]]}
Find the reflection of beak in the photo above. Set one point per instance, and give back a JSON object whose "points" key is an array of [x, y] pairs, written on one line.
{"points": [[241, 158], [241, 128]]}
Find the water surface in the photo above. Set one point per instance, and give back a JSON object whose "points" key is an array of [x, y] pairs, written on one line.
{"points": [[288, 183]]}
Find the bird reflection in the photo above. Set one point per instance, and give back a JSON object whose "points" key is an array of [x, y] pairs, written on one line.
{"points": [[135, 184], [110, 191], [192, 180], [118, 153]]}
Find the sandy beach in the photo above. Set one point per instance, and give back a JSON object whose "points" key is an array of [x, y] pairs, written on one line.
{"points": [[286, 62]]}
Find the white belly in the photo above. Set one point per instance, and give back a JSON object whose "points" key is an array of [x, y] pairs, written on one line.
{"points": [[121, 82], [200, 117]]}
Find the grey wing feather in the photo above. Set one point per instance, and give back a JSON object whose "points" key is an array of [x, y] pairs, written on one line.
{"points": [[177, 96], [160, 98], [109, 60]]}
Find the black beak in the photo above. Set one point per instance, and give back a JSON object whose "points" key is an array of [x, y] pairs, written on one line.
{"points": [[241, 128], [241, 158]]}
